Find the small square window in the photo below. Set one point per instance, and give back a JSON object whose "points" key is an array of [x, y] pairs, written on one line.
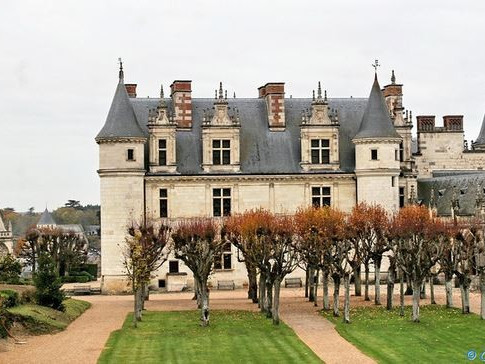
{"points": [[173, 266], [130, 155], [373, 154]]}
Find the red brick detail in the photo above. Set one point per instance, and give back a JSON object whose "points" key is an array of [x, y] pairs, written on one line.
{"points": [[184, 86], [131, 89], [453, 122], [392, 90], [426, 123]]}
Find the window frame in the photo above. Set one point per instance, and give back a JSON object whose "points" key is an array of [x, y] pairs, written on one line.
{"points": [[220, 258], [221, 152], [221, 201], [130, 155], [163, 200], [320, 151], [372, 152], [162, 151], [321, 196]]}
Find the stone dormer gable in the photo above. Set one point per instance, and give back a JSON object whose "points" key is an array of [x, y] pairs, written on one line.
{"points": [[219, 115], [376, 122], [320, 111], [161, 116], [121, 122]]}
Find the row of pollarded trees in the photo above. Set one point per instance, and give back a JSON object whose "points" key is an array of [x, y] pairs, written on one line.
{"points": [[322, 240]]}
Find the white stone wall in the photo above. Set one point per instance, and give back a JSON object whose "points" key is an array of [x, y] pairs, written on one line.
{"points": [[114, 155]]}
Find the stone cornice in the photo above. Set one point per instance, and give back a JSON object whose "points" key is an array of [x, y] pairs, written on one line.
{"points": [[376, 140], [118, 172], [237, 178], [121, 140]]}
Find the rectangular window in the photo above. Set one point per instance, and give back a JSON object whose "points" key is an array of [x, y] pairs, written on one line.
{"points": [[373, 154], [130, 154], [393, 181], [173, 266], [396, 155], [162, 152], [163, 202], [320, 151], [401, 152], [221, 151], [401, 196], [223, 260], [221, 202], [321, 196]]}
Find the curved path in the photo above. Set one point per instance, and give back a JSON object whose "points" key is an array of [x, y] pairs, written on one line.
{"points": [[84, 339]]}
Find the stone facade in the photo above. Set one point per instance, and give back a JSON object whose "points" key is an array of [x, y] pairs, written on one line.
{"points": [[178, 157], [6, 238]]}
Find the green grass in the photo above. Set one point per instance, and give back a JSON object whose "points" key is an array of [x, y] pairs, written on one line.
{"points": [[232, 337], [442, 336], [40, 320]]}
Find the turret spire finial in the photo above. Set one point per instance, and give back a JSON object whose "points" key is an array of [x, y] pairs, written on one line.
{"points": [[121, 73], [393, 78], [319, 90], [161, 91], [313, 97], [375, 65], [325, 96], [220, 90]]}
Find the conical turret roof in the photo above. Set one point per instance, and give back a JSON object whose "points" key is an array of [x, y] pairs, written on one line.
{"points": [[376, 122], [46, 218], [121, 121], [481, 137]]}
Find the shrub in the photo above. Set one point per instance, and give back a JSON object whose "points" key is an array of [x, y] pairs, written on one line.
{"points": [[92, 269], [48, 284], [10, 298], [10, 269], [27, 296]]}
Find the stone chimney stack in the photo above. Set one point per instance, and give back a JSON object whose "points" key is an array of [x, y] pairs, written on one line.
{"points": [[131, 89], [274, 94], [426, 123], [181, 93], [453, 122]]}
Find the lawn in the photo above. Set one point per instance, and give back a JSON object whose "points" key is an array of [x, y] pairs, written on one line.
{"points": [[232, 337], [442, 336], [40, 320]]}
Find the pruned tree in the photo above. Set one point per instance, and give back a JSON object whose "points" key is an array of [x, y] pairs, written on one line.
{"points": [[448, 259], [416, 252], [145, 250], [196, 244]]}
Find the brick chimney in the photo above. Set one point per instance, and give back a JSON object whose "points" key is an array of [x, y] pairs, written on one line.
{"points": [[181, 93], [426, 123], [274, 94], [453, 122], [131, 89]]}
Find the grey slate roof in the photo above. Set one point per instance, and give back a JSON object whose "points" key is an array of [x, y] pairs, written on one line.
{"points": [[481, 137], [46, 218], [376, 122], [466, 190], [262, 151], [121, 120]]}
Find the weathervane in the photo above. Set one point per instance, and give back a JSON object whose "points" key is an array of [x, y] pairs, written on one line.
{"points": [[375, 65], [121, 75]]}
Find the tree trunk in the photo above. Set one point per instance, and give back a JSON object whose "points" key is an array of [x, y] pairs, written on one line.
{"points": [[347, 299], [326, 301], [465, 295], [135, 305], [409, 288], [358, 281], [431, 290], [336, 290], [366, 278], [311, 292], [276, 302], [482, 294], [401, 294], [269, 298], [252, 284], [449, 290], [262, 292], [377, 283], [204, 312], [390, 287], [138, 302], [422, 292], [315, 300], [416, 295], [307, 277]]}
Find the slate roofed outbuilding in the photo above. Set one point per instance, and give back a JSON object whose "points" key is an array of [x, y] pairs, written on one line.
{"points": [[376, 122], [121, 121]]}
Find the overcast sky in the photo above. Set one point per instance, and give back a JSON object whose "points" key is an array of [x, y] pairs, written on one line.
{"points": [[58, 68]]}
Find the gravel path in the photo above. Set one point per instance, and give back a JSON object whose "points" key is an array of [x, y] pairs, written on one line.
{"points": [[84, 339]]}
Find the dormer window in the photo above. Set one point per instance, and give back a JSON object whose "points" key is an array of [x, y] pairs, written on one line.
{"points": [[130, 155], [162, 152], [221, 152], [320, 151]]}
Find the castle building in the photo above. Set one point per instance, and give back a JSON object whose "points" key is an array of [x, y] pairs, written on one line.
{"points": [[6, 238], [178, 157]]}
